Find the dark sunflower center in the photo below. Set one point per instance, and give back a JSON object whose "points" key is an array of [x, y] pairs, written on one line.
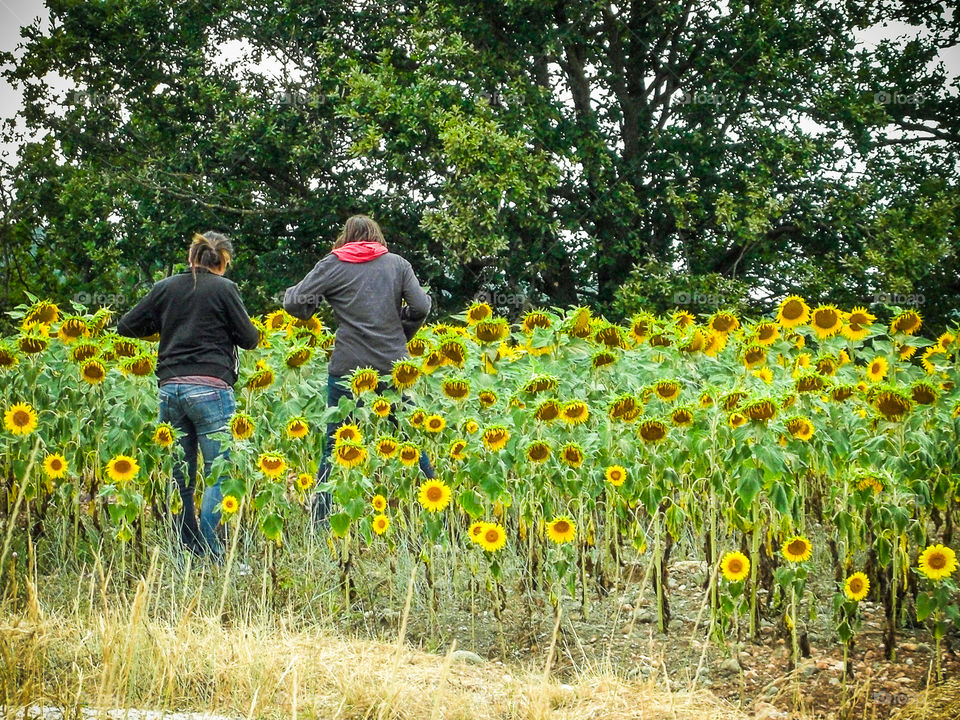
{"points": [[271, 463], [21, 418], [797, 547], [735, 566], [792, 310], [937, 561], [562, 527], [434, 493], [856, 586], [122, 466], [56, 464], [492, 535]]}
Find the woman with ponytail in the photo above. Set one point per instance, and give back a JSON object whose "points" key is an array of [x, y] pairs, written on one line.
{"points": [[201, 321]]}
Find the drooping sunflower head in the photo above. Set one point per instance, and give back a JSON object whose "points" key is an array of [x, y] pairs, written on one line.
{"points": [[547, 411], [271, 464], [298, 427], [793, 312], [241, 426], [417, 346], [715, 343], [454, 351], [682, 416], [891, 403], [561, 530], [298, 357], [139, 365], [683, 319], [946, 340], [766, 334], [843, 392], [737, 419], [809, 382], [579, 322], [826, 321], [797, 549], [937, 562], [122, 347], [652, 431], [349, 454], [347, 432], [405, 374], [72, 328], [735, 566], [827, 365], [434, 495], [471, 426], [42, 312], [616, 475], [610, 336], [93, 372], [487, 398], [575, 412], [55, 466], [491, 331], [695, 341], [907, 323], [541, 383], [538, 451], [381, 407], [667, 390], [122, 468], [408, 454], [760, 410], [927, 360], [869, 481], [431, 362], [754, 355], [856, 587], [478, 312], [602, 358], [32, 344], [723, 322], [164, 435], [260, 380], [387, 446], [923, 392], [625, 408], [571, 455], [456, 388], [458, 449], [20, 419], [417, 417], [800, 427], [732, 400], [495, 437], [364, 380], [535, 319], [8, 358], [641, 326]]}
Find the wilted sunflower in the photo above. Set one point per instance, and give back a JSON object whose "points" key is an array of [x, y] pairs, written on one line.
{"points": [[535, 319], [434, 423], [32, 344], [431, 362], [380, 524], [667, 390], [417, 346], [405, 374], [856, 587], [760, 410], [495, 437], [625, 408], [892, 404], [347, 432], [602, 358], [840, 393], [20, 419], [122, 468], [487, 398], [575, 412], [561, 530], [364, 380], [229, 505], [610, 336], [298, 356], [908, 322], [793, 311], [8, 358], [349, 454], [766, 333], [456, 388], [123, 347], [381, 407], [923, 393], [454, 351], [541, 383], [737, 419], [571, 455], [827, 365], [858, 324], [723, 322], [260, 380], [55, 466], [877, 369], [797, 549], [731, 401], [408, 454], [800, 427], [937, 562], [706, 399], [616, 475], [538, 451], [652, 431], [810, 382], [164, 435], [417, 417], [434, 495], [471, 426], [458, 449], [735, 566], [139, 365], [547, 410], [42, 312], [297, 427], [72, 328], [754, 355], [271, 464], [241, 426], [478, 312], [491, 331], [682, 416], [386, 446], [492, 538]]}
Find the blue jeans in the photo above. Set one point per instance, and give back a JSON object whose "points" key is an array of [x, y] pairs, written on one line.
{"points": [[338, 387], [197, 411]]}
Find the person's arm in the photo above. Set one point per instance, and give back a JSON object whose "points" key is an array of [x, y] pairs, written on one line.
{"points": [[303, 299], [242, 331], [143, 319], [417, 305]]}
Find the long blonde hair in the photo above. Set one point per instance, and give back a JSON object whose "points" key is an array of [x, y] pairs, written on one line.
{"points": [[357, 228]]}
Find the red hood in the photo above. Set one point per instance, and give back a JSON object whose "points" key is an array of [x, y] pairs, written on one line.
{"points": [[360, 252]]}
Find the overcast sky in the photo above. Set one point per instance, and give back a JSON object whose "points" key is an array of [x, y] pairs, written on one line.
{"points": [[16, 13]]}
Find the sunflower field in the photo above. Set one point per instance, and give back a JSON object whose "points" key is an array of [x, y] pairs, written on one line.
{"points": [[567, 448]]}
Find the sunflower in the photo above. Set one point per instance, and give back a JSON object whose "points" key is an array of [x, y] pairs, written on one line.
{"points": [[364, 380], [547, 410], [277, 320], [535, 319], [800, 427], [624, 407], [797, 549], [683, 319], [682, 416], [923, 393], [754, 355], [229, 504], [434, 423], [945, 341], [72, 328], [8, 358], [55, 466], [541, 383], [571, 455], [454, 351], [379, 503], [760, 410], [937, 562], [456, 388], [241, 426], [381, 407], [735, 566], [869, 482], [842, 392], [561, 530], [491, 331], [904, 351], [20, 419], [696, 342], [737, 420], [349, 453], [495, 437], [42, 312], [765, 374], [827, 365], [271, 464], [260, 380], [122, 468], [297, 427], [877, 369], [856, 587], [386, 446], [578, 322], [826, 321], [793, 311], [538, 451], [409, 454], [380, 524], [93, 372], [478, 312], [297, 357], [164, 435], [471, 426], [610, 336], [347, 433], [602, 358], [723, 322], [405, 374], [304, 481], [892, 404], [652, 431], [858, 324], [434, 495], [32, 344], [714, 345], [929, 365], [640, 327], [667, 390], [492, 538], [575, 412], [140, 365], [907, 322], [417, 347], [616, 475], [476, 531], [731, 401], [766, 334], [810, 382], [458, 449], [706, 400]]}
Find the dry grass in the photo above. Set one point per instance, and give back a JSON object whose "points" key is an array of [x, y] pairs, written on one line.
{"points": [[122, 655]]}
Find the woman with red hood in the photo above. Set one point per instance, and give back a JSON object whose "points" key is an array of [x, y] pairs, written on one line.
{"points": [[378, 304]]}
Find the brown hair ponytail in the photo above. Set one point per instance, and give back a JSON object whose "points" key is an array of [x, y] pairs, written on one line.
{"points": [[210, 250]]}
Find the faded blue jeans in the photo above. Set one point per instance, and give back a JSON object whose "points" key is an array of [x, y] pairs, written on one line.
{"points": [[197, 412], [338, 387]]}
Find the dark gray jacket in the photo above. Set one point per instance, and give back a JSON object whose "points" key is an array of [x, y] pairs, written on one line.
{"points": [[367, 300]]}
